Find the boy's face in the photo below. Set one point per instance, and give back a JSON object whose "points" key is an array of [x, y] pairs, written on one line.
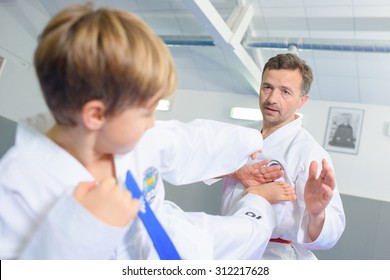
{"points": [[122, 132]]}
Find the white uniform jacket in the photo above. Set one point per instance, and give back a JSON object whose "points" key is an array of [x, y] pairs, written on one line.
{"points": [[294, 149], [40, 219]]}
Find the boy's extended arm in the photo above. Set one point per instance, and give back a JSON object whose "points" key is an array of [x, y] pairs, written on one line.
{"points": [[203, 149]]}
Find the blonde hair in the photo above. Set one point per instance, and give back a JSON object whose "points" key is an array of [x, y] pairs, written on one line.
{"points": [[105, 54]]}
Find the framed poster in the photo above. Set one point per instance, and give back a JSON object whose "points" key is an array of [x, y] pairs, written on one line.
{"points": [[343, 130]]}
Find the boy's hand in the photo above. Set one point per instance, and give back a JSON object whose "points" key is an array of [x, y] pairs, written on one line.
{"points": [[107, 201]]}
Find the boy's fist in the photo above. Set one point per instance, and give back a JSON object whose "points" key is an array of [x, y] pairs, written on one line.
{"points": [[107, 201]]}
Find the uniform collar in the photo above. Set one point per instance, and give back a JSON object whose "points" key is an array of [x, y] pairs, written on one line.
{"points": [[286, 130]]}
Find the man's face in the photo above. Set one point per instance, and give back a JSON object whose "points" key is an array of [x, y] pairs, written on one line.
{"points": [[280, 96]]}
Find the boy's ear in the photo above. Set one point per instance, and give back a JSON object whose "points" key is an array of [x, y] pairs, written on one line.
{"points": [[93, 114]]}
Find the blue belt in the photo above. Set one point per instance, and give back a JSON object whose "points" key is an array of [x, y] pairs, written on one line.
{"points": [[161, 241]]}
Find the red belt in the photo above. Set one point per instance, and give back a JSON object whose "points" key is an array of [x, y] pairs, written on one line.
{"points": [[280, 240]]}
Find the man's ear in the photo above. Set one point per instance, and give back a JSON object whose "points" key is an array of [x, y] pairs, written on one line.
{"points": [[302, 101], [93, 114]]}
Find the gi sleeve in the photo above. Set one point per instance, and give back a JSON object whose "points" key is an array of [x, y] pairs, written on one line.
{"points": [[69, 231], [203, 149]]}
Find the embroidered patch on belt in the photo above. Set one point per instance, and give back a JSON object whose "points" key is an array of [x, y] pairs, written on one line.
{"points": [[149, 184], [275, 162]]}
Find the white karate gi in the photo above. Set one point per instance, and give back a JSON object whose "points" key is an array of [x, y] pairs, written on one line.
{"points": [[40, 219], [294, 148]]}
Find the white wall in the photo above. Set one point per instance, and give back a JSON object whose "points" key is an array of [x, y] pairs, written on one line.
{"points": [[19, 90], [367, 173]]}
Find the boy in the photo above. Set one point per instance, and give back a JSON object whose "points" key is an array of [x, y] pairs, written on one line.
{"points": [[102, 74]]}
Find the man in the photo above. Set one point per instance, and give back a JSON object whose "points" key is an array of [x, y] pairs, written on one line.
{"points": [[315, 220]]}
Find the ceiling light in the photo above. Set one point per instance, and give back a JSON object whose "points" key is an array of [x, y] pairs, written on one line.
{"points": [[242, 113], [163, 105]]}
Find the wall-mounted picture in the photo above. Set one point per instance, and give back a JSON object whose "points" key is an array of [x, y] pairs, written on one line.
{"points": [[343, 130]]}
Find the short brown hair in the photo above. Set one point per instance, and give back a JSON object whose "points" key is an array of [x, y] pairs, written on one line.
{"points": [[109, 55], [290, 61]]}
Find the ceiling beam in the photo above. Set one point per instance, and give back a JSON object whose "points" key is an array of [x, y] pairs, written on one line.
{"points": [[239, 21], [228, 36]]}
